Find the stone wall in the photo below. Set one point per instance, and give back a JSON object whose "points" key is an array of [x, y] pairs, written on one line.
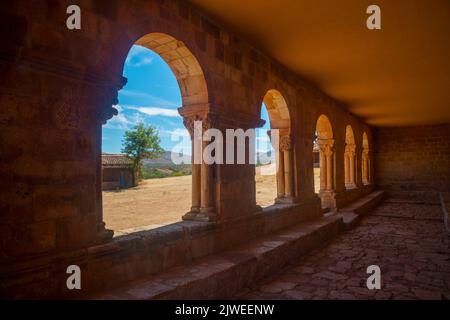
{"points": [[413, 161], [58, 87]]}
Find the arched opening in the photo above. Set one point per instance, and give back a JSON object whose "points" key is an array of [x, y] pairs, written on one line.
{"points": [[349, 158], [324, 143], [365, 166], [274, 180], [163, 75]]}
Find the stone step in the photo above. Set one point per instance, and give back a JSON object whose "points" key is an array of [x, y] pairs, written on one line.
{"points": [[222, 275], [352, 214]]}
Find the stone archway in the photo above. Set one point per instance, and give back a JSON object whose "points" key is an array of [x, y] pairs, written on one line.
{"points": [[325, 143], [183, 63], [349, 158], [195, 106], [280, 122]]}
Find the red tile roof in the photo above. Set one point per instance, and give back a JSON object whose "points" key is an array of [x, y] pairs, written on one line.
{"points": [[116, 160]]}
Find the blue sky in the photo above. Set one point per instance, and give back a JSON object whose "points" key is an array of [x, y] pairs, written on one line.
{"points": [[152, 95]]}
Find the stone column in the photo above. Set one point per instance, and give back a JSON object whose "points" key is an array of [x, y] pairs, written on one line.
{"points": [[285, 147], [203, 206], [329, 159], [323, 170], [280, 174], [350, 166], [195, 167], [365, 167], [352, 169], [207, 185], [347, 168]]}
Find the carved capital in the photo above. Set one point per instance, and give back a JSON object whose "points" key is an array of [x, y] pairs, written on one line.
{"points": [[350, 149], [189, 123], [108, 100], [326, 146], [285, 143]]}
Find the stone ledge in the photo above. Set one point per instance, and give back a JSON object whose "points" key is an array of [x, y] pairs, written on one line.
{"points": [[205, 278], [352, 214]]}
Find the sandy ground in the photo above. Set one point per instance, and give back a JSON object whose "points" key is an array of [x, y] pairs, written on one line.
{"points": [[157, 202]]}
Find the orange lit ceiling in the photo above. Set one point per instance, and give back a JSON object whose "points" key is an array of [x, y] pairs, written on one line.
{"points": [[396, 76]]}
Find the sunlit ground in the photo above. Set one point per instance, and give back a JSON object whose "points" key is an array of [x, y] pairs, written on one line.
{"points": [[158, 202]]}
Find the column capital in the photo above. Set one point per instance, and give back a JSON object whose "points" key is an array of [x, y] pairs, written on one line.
{"points": [[350, 149], [109, 98], [326, 146], [285, 143]]}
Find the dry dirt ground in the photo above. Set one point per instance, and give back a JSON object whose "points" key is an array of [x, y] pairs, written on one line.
{"points": [[157, 202]]}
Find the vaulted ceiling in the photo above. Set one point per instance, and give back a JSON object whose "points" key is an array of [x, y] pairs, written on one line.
{"points": [[396, 76]]}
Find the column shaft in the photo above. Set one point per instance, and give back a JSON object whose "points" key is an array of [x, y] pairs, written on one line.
{"points": [[196, 184], [287, 173], [323, 171], [347, 169], [207, 185], [329, 158], [352, 169], [280, 174]]}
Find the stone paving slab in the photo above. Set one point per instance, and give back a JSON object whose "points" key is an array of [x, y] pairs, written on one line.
{"points": [[408, 241]]}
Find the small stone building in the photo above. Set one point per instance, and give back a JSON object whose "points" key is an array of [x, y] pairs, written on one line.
{"points": [[117, 172]]}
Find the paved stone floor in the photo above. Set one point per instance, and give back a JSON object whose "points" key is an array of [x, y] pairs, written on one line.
{"points": [[408, 241]]}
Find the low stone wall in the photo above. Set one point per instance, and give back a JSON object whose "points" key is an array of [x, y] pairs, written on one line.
{"points": [[132, 256]]}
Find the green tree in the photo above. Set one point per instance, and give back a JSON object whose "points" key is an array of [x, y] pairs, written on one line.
{"points": [[140, 143]]}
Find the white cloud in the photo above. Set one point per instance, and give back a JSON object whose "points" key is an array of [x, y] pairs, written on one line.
{"points": [[119, 122], [179, 132], [139, 56], [155, 111]]}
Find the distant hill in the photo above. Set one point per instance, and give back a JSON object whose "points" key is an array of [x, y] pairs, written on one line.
{"points": [[166, 160]]}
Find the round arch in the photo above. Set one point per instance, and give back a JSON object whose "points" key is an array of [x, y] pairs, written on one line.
{"points": [[323, 128], [349, 136], [280, 130], [183, 64], [277, 109], [365, 141]]}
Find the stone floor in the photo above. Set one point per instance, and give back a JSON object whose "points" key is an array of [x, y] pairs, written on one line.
{"points": [[408, 241]]}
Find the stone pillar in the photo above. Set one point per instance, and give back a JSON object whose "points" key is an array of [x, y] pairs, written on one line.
{"points": [[207, 185], [323, 170], [327, 193], [352, 170], [350, 151], [347, 168], [329, 159], [203, 202], [195, 167], [365, 167], [287, 173], [280, 174], [285, 147], [196, 182]]}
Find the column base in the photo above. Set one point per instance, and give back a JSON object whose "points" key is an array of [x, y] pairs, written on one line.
{"points": [[284, 200], [328, 198], [350, 186], [204, 216], [103, 234]]}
